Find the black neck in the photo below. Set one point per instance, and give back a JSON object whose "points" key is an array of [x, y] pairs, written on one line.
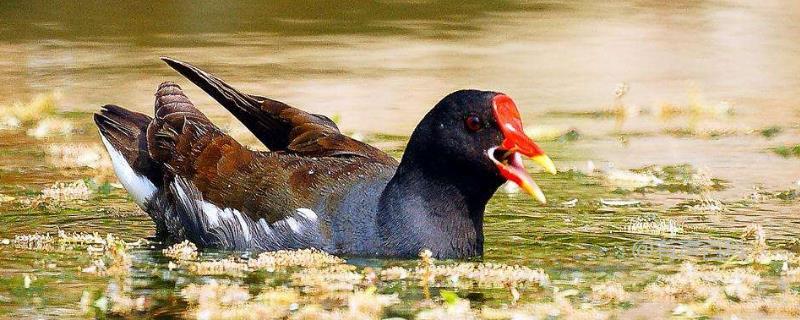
{"points": [[436, 205]]}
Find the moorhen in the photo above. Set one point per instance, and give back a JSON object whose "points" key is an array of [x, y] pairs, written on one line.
{"points": [[317, 188]]}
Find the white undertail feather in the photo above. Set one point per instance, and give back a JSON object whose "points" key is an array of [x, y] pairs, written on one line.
{"points": [[139, 187]]}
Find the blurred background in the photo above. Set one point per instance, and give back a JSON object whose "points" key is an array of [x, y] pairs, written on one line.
{"points": [[389, 61]]}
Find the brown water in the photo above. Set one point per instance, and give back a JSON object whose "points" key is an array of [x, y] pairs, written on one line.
{"points": [[731, 69]]}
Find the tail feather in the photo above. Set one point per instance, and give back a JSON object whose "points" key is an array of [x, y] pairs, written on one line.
{"points": [[268, 128], [124, 134], [238, 103]]}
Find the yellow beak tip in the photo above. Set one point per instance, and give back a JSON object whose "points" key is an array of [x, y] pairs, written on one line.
{"points": [[545, 162], [534, 190]]}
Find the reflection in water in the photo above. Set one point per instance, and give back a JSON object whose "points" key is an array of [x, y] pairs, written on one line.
{"points": [[357, 59]]}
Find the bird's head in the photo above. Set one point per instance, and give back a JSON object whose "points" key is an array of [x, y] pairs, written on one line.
{"points": [[479, 134]]}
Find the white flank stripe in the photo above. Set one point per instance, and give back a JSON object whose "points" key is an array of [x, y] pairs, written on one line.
{"points": [[307, 214], [293, 224], [243, 224], [139, 187], [265, 226], [212, 213]]}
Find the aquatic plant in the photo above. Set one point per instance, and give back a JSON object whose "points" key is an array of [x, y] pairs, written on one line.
{"points": [[770, 132], [93, 242], [307, 258], [691, 284], [787, 151], [268, 261], [6, 198], [654, 226], [49, 127], [467, 273], [681, 178], [63, 192], [340, 277], [78, 155], [609, 292], [631, 180], [41, 105], [9, 122], [559, 308], [229, 267], [181, 251], [216, 300]]}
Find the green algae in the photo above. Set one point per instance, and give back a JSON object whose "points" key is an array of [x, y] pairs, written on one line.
{"points": [[787, 151]]}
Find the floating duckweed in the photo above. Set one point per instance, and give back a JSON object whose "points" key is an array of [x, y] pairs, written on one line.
{"points": [[783, 305], [788, 151], [284, 297], [41, 105], [308, 258], [791, 274], [771, 132], [460, 309], [122, 304], [215, 293], [395, 273], [66, 240], [61, 191], [8, 122], [609, 292], [682, 178], [334, 278], [6, 198], [34, 241], [269, 261], [691, 284], [223, 301], [218, 267], [560, 308], [360, 305], [705, 203], [50, 127], [181, 251], [484, 274], [695, 108], [630, 180], [114, 261], [82, 238], [78, 155], [620, 202], [654, 226]]}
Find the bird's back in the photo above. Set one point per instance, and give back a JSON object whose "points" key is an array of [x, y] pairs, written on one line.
{"points": [[199, 184]]}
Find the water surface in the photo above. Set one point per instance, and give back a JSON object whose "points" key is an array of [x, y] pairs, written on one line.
{"points": [[728, 70]]}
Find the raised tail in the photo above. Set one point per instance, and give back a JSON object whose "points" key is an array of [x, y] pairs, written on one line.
{"points": [[124, 134]]}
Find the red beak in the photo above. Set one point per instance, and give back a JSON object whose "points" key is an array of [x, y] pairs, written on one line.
{"points": [[516, 143]]}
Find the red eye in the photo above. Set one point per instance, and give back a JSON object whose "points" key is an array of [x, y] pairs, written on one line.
{"points": [[473, 123]]}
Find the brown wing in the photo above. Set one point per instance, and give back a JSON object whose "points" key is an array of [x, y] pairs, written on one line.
{"points": [[279, 126]]}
